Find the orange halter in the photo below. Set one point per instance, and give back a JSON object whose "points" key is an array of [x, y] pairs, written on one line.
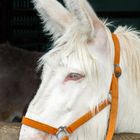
{"points": [[62, 133]]}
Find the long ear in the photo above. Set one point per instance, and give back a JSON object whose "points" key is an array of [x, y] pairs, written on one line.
{"points": [[54, 16], [77, 9], [97, 34]]}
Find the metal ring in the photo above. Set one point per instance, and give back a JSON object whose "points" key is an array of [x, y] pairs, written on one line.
{"points": [[61, 132], [117, 73]]}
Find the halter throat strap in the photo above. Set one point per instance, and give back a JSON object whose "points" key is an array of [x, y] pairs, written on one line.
{"points": [[63, 132]]}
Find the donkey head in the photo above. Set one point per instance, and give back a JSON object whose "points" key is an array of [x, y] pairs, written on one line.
{"points": [[76, 73]]}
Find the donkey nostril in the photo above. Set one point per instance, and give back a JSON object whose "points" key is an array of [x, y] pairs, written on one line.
{"points": [[17, 119]]}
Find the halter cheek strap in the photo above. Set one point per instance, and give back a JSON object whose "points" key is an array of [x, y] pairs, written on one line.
{"points": [[114, 89], [62, 133]]}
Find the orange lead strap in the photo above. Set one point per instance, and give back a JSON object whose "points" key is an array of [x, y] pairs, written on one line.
{"points": [[65, 138]]}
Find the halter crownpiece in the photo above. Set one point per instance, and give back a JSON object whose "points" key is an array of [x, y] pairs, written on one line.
{"points": [[63, 132], [114, 89]]}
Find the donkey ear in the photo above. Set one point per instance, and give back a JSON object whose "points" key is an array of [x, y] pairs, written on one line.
{"points": [[96, 31], [55, 17], [99, 34], [83, 11]]}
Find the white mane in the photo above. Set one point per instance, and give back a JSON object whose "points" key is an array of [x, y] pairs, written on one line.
{"points": [[130, 52]]}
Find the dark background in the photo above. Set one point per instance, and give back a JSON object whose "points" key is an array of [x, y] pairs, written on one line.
{"points": [[21, 27]]}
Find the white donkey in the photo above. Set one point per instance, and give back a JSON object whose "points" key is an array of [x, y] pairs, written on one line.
{"points": [[77, 73]]}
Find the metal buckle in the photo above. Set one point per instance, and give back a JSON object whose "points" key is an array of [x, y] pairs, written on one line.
{"points": [[62, 132], [117, 70]]}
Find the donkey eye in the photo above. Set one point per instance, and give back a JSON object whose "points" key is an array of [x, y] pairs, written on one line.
{"points": [[74, 76]]}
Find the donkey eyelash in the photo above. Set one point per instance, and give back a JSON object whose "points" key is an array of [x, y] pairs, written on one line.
{"points": [[74, 77]]}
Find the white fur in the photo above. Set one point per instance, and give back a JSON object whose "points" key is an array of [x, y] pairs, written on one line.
{"points": [[53, 22], [59, 103]]}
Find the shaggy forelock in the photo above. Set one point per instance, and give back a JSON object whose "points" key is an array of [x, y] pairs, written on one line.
{"points": [[75, 40]]}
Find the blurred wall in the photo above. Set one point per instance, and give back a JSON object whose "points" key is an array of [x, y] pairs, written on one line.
{"points": [[20, 25]]}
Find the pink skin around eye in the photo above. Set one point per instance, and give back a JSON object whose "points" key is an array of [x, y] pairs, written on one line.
{"points": [[73, 77]]}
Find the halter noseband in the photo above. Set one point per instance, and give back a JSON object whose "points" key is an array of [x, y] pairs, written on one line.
{"points": [[63, 132]]}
